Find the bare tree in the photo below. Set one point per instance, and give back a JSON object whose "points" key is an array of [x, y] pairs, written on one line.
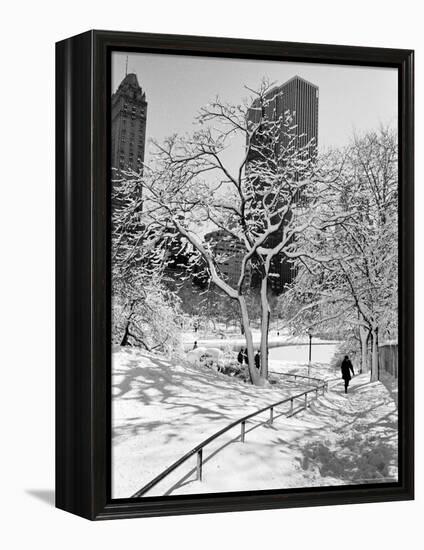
{"points": [[359, 286], [144, 311], [272, 202]]}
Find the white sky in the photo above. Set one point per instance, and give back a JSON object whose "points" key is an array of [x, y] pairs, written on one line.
{"points": [[351, 99]]}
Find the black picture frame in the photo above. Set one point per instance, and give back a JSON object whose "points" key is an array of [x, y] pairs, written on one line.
{"points": [[83, 431]]}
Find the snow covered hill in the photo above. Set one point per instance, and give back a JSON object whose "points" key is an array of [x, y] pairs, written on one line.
{"points": [[161, 410]]}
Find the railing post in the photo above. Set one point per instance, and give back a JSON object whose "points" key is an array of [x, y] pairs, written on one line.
{"points": [[291, 406], [271, 415], [199, 464], [243, 429], [306, 400]]}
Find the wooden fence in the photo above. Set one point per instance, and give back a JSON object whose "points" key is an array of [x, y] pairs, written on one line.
{"points": [[388, 358]]}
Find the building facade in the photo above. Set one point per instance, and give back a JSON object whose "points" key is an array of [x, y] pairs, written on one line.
{"points": [[128, 122], [229, 253], [299, 99], [128, 137]]}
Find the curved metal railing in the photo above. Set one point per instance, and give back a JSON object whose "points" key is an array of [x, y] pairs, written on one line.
{"points": [[297, 376], [198, 449]]}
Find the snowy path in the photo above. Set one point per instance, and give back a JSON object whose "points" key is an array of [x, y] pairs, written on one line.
{"points": [[338, 440], [161, 411]]}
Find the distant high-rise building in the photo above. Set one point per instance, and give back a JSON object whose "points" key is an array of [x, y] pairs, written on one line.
{"points": [[128, 117], [299, 99], [229, 255], [128, 133]]}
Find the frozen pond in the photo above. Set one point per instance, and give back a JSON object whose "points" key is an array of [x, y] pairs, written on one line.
{"points": [[297, 355]]}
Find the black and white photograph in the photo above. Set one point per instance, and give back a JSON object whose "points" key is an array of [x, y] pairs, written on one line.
{"points": [[254, 275], [211, 237]]}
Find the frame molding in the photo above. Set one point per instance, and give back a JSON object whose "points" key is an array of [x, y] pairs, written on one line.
{"points": [[82, 274]]}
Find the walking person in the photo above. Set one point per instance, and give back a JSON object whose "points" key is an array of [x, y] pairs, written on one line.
{"points": [[346, 368], [245, 357], [258, 360], [195, 345], [240, 356]]}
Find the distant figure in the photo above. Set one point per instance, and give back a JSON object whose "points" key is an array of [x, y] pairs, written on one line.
{"points": [[346, 368], [195, 345], [278, 333], [240, 356], [245, 357], [258, 360]]}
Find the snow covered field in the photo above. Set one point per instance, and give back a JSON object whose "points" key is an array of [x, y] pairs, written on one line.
{"points": [[161, 411], [235, 340]]}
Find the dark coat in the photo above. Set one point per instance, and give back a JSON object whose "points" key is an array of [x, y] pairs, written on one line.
{"points": [[346, 368], [240, 356]]}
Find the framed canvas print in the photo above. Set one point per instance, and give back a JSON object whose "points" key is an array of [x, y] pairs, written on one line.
{"points": [[234, 275]]}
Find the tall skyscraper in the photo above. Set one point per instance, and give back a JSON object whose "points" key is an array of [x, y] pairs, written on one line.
{"points": [[299, 98], [129, 116], [229, 253], [128, 129]]}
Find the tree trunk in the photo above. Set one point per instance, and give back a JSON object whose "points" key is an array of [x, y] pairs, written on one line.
{"points": [[265, 316], [374, 355], [253, 373], [124, 341], [364, 335]]}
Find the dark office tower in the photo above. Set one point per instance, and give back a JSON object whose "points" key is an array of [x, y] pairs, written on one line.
{"points": [[129, 114], [229, 255], [297, 98]]}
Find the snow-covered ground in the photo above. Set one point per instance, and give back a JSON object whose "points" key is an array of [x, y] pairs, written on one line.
{"points": [[161, 411], [235, 340], [294, 358]]}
